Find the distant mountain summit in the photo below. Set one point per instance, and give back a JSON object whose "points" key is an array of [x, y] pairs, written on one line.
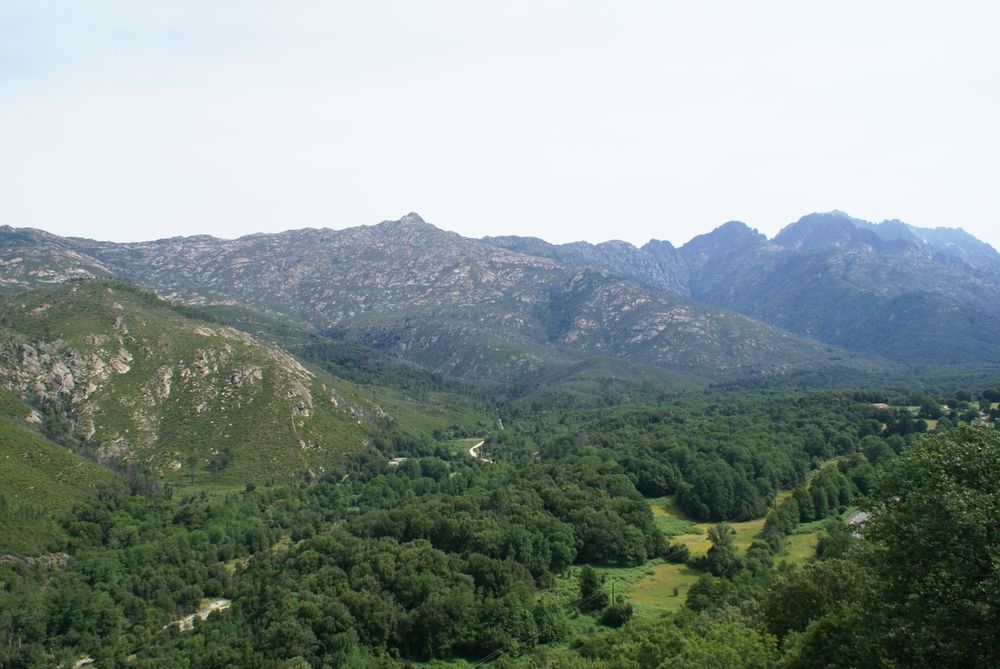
{"points": [[889, 289], [837, 230], [948, 243]]}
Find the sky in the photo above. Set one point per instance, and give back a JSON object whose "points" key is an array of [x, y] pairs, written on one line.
{"points": [[567, 120]]}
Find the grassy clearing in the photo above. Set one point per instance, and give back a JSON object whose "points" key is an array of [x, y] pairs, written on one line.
{"points": [[832, 462], [436, 411], [915, 412], [799, 549], [657, 586], [670, 519], [461, 446], [813, 527], [848, 513], [782, 496], [699, 544], [680, 528], [203, 483], [665, 589], [635, 584], [649, 587], [654, 591]]}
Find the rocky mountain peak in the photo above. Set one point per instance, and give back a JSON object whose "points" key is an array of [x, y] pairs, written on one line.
{"points": [[410, 221], [413, 218], [410, 229], [825, 231], [728, 237], [835, 230], [736, 229], [959, 244]]}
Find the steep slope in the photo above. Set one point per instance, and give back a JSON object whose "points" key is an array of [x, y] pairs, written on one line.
{"points": [[405, 287], [899, 261], [837, 230], [602, 316], [135, 380], [957, 243], [728, 265]]}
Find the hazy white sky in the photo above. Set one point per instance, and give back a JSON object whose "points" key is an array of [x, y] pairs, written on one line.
{"points": [[567, 120]]}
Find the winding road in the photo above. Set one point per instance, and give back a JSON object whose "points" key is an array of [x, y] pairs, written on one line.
{"points": [[477, 452]]}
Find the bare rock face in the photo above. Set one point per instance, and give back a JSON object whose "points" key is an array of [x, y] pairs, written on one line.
{"points": [[97, 370], [248, 375], [116, 451], [162, 382], [87, 429], [60, 379], [119, 362], [49, 561]]}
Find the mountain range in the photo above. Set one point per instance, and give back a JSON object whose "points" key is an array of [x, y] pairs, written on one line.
{"points": [[909, 295], [828, 289]]}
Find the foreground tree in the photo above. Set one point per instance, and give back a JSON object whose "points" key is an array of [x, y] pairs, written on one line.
{"points": [[932, 557], [935, 526]]}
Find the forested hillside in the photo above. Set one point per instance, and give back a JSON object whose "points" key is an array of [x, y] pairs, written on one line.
{"points": [[558, 546]]}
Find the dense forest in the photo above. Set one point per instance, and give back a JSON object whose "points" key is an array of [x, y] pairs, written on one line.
{"points": [[446, 559]]}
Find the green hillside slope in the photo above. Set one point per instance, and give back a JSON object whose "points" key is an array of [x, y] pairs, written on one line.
{"points": [[136, 380], [39, 482]]}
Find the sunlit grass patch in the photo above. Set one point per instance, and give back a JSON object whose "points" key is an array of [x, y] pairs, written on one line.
{"points": [[699, 544], [670, 519], [666, 588], [800, 548]]}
